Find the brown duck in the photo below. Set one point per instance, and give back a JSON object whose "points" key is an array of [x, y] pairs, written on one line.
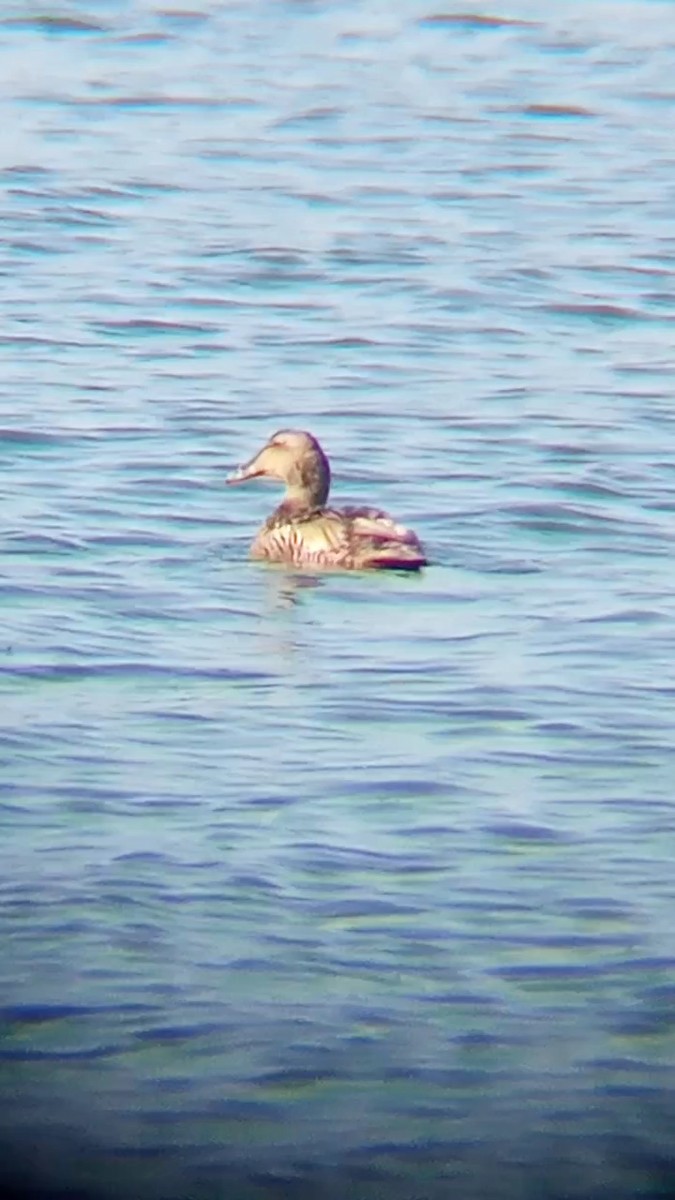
{"points": [[303, 531]]}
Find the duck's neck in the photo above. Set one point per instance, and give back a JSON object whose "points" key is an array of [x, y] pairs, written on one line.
{"points": [[308, 485], [301, 499]]}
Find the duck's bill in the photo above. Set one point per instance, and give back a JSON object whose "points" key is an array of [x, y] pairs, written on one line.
{"points": [[243, 473]]}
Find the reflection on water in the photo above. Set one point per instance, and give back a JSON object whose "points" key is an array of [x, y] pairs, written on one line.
{"points": [[286, 588], [340, 884]]}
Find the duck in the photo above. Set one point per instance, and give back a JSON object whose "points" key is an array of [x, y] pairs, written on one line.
{"points": [[303, 531]]}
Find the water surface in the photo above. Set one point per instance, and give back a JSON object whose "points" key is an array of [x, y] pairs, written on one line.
{"points": [[316, 886]]}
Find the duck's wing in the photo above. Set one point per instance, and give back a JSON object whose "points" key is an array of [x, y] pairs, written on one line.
{"points": [[373, 522], [363, 538], [379, 541]]}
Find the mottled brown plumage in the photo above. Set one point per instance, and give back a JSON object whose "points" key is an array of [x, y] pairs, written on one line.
{"points": [[303, 531]]}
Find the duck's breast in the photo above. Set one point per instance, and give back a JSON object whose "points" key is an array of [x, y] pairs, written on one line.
{"points": [[319, 540]]}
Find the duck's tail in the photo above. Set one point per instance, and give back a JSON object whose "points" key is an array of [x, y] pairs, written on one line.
{"points": [[394, 557]]}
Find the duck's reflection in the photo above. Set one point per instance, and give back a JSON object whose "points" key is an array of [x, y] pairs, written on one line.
{"points": [[284, 619], [286, 589]]}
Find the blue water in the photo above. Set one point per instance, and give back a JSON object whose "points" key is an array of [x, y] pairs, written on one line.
{"points": [[350, 885]]}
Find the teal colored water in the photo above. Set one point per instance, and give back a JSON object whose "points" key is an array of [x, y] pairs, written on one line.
{"points": [[340, 885]]}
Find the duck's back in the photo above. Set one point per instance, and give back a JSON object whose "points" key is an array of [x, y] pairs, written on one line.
{"points": [[357, 538]]}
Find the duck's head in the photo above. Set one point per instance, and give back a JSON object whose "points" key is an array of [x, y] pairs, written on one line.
{"points": [[295, 458]]}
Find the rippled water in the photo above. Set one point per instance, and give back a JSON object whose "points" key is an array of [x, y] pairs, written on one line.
{"points": [[317, 887]]}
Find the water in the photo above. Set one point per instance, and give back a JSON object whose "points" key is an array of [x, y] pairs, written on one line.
{"points": [[347, 885]]}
